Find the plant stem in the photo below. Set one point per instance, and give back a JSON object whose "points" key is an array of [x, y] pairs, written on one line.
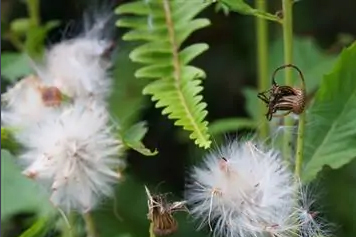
{"points": [[300, 145], [262, 63], [288, 59], [90, 226], [151, 230], [33, 12]]}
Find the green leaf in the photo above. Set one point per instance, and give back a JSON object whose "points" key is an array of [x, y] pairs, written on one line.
{"points": [[18, 193], [243, 8], [15, 66], [35, 37], [8, 141], [225, 125], [175, 85], [127, 92], [132, 138], [331, 124], [20, 26], [307, 56], [39, 228]]}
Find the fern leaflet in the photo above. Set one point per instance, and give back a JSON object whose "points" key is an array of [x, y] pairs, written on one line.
{"points": [[164, 25]]}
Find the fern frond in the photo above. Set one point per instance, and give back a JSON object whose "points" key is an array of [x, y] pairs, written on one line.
{"points": [[164, 25]]}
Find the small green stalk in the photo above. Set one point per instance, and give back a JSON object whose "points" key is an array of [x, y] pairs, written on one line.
{"points": [[89, 224], [151, 230], [300, 144], [262, 63], [33, 7], [288, 59]]}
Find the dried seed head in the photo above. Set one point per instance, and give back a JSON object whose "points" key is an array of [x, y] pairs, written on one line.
{"points": [[160, 213], [284, 98]]}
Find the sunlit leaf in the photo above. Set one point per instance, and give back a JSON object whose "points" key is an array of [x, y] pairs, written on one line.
{"points": [[331, 124]]}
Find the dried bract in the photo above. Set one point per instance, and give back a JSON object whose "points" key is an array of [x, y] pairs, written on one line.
{"points": [[160, 213], [284, 98]]}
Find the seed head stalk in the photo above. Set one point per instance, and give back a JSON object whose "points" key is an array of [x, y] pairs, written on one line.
{"points": [[288, 59], [89, 224], [262, 64], [151, 230]]}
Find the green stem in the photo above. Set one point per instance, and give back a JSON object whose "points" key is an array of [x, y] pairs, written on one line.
{"points": [[288, 59], [151, 230], [262, 57], [300, 144], [89, 224], [33, 12]]}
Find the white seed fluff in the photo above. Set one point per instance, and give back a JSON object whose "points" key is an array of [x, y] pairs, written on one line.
{"points": [[74, 153], [79, 66], [23, 104], [243, 190]]}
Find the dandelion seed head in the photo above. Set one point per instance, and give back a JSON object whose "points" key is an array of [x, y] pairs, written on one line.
{"points": [[74, 153], [24, 104], [77, 67], [311, 223], [243, 190]]}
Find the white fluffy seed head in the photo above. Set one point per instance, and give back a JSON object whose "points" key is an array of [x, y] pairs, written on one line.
{"points": [[23, 104], [244, 190], [75, 153], [79, 66], [311, 222]]}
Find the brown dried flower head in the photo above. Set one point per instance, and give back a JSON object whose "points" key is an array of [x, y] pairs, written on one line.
{"points": [[284, 98], [160, 213]]}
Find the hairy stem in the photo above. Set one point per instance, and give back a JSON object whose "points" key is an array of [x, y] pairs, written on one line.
{"points": [[300, 144], [300, 139], [288, 59], [262, 57], [89, 224]]}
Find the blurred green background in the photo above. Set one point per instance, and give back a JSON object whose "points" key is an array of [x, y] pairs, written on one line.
{"points": [[322, 28]]}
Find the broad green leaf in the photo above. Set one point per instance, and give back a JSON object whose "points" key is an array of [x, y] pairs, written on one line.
{"points": [[331, 123], [243, 8], [225, 125], [15, 66], [313, 62], [18, 193]]}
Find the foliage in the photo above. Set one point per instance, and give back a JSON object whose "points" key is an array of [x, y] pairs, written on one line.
{"points": [[165, 25], [14, 66], [13, 187], [127, 95], [159, 30], [332, 129], [243, 8], [313, 62]]}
